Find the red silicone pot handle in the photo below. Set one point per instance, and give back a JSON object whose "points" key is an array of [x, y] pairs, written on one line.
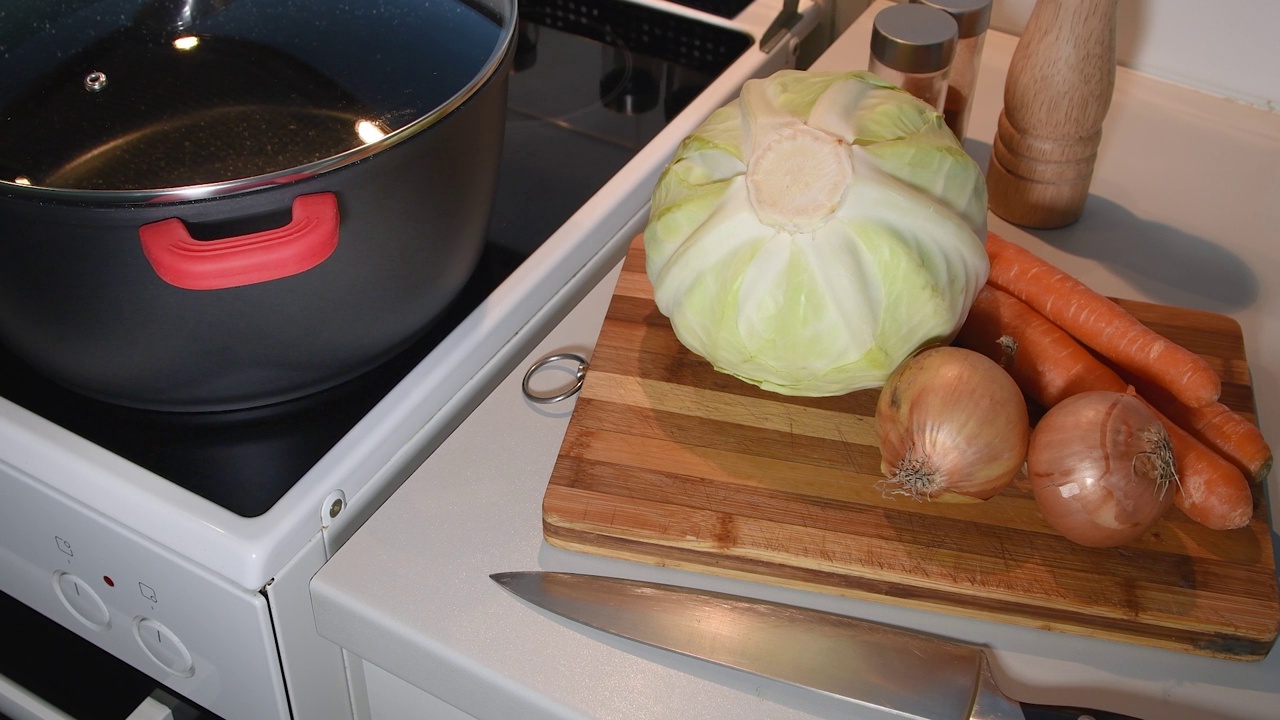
{"points": [[309, 238]]}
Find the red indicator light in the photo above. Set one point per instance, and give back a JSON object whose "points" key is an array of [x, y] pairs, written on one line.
{"points": [[107, 579]]}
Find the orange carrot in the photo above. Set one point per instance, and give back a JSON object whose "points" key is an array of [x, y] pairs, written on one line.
{"points": [[1211, 491], [1222, 429], [1049, 365], [1046, 362], [1101, 324]]}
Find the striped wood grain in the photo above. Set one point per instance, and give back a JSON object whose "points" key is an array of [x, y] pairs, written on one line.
{"points": [[669, 462]]}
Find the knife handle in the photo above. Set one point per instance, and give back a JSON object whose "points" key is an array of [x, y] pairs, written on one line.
{"points": [[1060, 712]]}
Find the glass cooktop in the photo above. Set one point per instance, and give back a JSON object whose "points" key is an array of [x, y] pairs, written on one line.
{"points": [[593, 82]]}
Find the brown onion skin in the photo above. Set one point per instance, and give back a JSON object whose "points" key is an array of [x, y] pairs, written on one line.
{"points": [[1086, 445], [961, 412]]}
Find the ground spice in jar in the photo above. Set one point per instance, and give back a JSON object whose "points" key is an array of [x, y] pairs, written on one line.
{"points": [[955, 110], [972, 18]]}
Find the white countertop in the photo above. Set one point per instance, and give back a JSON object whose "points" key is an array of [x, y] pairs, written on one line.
{"points": [[1184, 211]]}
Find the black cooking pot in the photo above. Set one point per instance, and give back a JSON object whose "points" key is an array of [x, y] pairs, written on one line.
{"points": [[216, 204]]}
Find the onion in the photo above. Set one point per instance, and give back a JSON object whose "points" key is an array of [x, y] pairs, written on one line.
{"points": [[952, 425], [1100, 465]]}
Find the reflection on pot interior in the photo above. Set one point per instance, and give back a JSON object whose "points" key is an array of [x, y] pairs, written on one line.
{"points": [[369, 131]]}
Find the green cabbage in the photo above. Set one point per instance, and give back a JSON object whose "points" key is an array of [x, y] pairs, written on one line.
{"points": [[817, 230]]}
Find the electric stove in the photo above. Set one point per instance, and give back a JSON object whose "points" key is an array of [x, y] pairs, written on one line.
{"points": [[181, 544]]}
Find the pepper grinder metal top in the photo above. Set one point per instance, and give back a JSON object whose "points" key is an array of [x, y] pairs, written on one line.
{"points": [[1056, 97]]}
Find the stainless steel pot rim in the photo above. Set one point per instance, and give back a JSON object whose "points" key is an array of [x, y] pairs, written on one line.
{"points": [[497, 60]]}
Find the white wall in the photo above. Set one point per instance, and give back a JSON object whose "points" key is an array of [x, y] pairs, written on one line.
{"points": [[1228, 47], [1225, 47]]}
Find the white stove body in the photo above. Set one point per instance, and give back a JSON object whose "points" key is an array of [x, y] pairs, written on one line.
{"points": [[214, 605]]}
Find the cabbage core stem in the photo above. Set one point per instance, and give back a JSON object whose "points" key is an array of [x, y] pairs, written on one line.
{"points": [[797, 178]]}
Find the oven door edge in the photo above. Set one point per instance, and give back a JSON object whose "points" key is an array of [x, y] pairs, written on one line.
{"points": [[315, 674]]}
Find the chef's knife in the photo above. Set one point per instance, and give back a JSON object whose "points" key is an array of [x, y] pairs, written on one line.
{"points": [[903, 671]]}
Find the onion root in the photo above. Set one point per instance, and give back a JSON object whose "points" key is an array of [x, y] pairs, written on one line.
{"points": [[914, 477], [1157, 461]]}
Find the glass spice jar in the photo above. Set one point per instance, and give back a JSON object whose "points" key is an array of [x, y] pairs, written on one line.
{"points": [[912, 46], [972, 19]]}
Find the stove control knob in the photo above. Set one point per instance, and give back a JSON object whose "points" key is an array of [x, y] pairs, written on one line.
{"points": [[81, 600], [163, 646]]}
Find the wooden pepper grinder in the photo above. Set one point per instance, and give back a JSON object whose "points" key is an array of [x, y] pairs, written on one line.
{"points": [[1056, 96]]}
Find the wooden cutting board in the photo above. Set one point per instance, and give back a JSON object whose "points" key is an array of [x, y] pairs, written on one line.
{"points": [[669, 462]]}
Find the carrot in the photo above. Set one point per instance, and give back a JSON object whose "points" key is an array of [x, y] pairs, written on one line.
{"points": [[1049, 366], [1222, 429], [1046, 362], [1211, 491], [1101, 324]]}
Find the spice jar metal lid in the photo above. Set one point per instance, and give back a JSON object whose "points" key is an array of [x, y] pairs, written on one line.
{"points": [[971, 16], [914, 38]]}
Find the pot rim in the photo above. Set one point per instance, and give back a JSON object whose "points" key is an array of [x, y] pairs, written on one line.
{"points": [[503, 49]]}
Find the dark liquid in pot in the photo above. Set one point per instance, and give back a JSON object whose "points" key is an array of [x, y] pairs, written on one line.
{"points": [[215, 145], [253, 89]]}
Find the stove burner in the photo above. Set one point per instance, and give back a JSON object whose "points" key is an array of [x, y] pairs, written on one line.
{"points": [[629, 90]]}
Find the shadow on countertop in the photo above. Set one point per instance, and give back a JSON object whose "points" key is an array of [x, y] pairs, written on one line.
{"points": [[1167, 264]]}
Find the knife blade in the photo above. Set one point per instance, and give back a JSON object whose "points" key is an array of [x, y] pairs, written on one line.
{"points": [[903, 671]]}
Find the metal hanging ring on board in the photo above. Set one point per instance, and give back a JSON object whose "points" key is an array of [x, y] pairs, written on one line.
{"points": [[579, 376]]}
